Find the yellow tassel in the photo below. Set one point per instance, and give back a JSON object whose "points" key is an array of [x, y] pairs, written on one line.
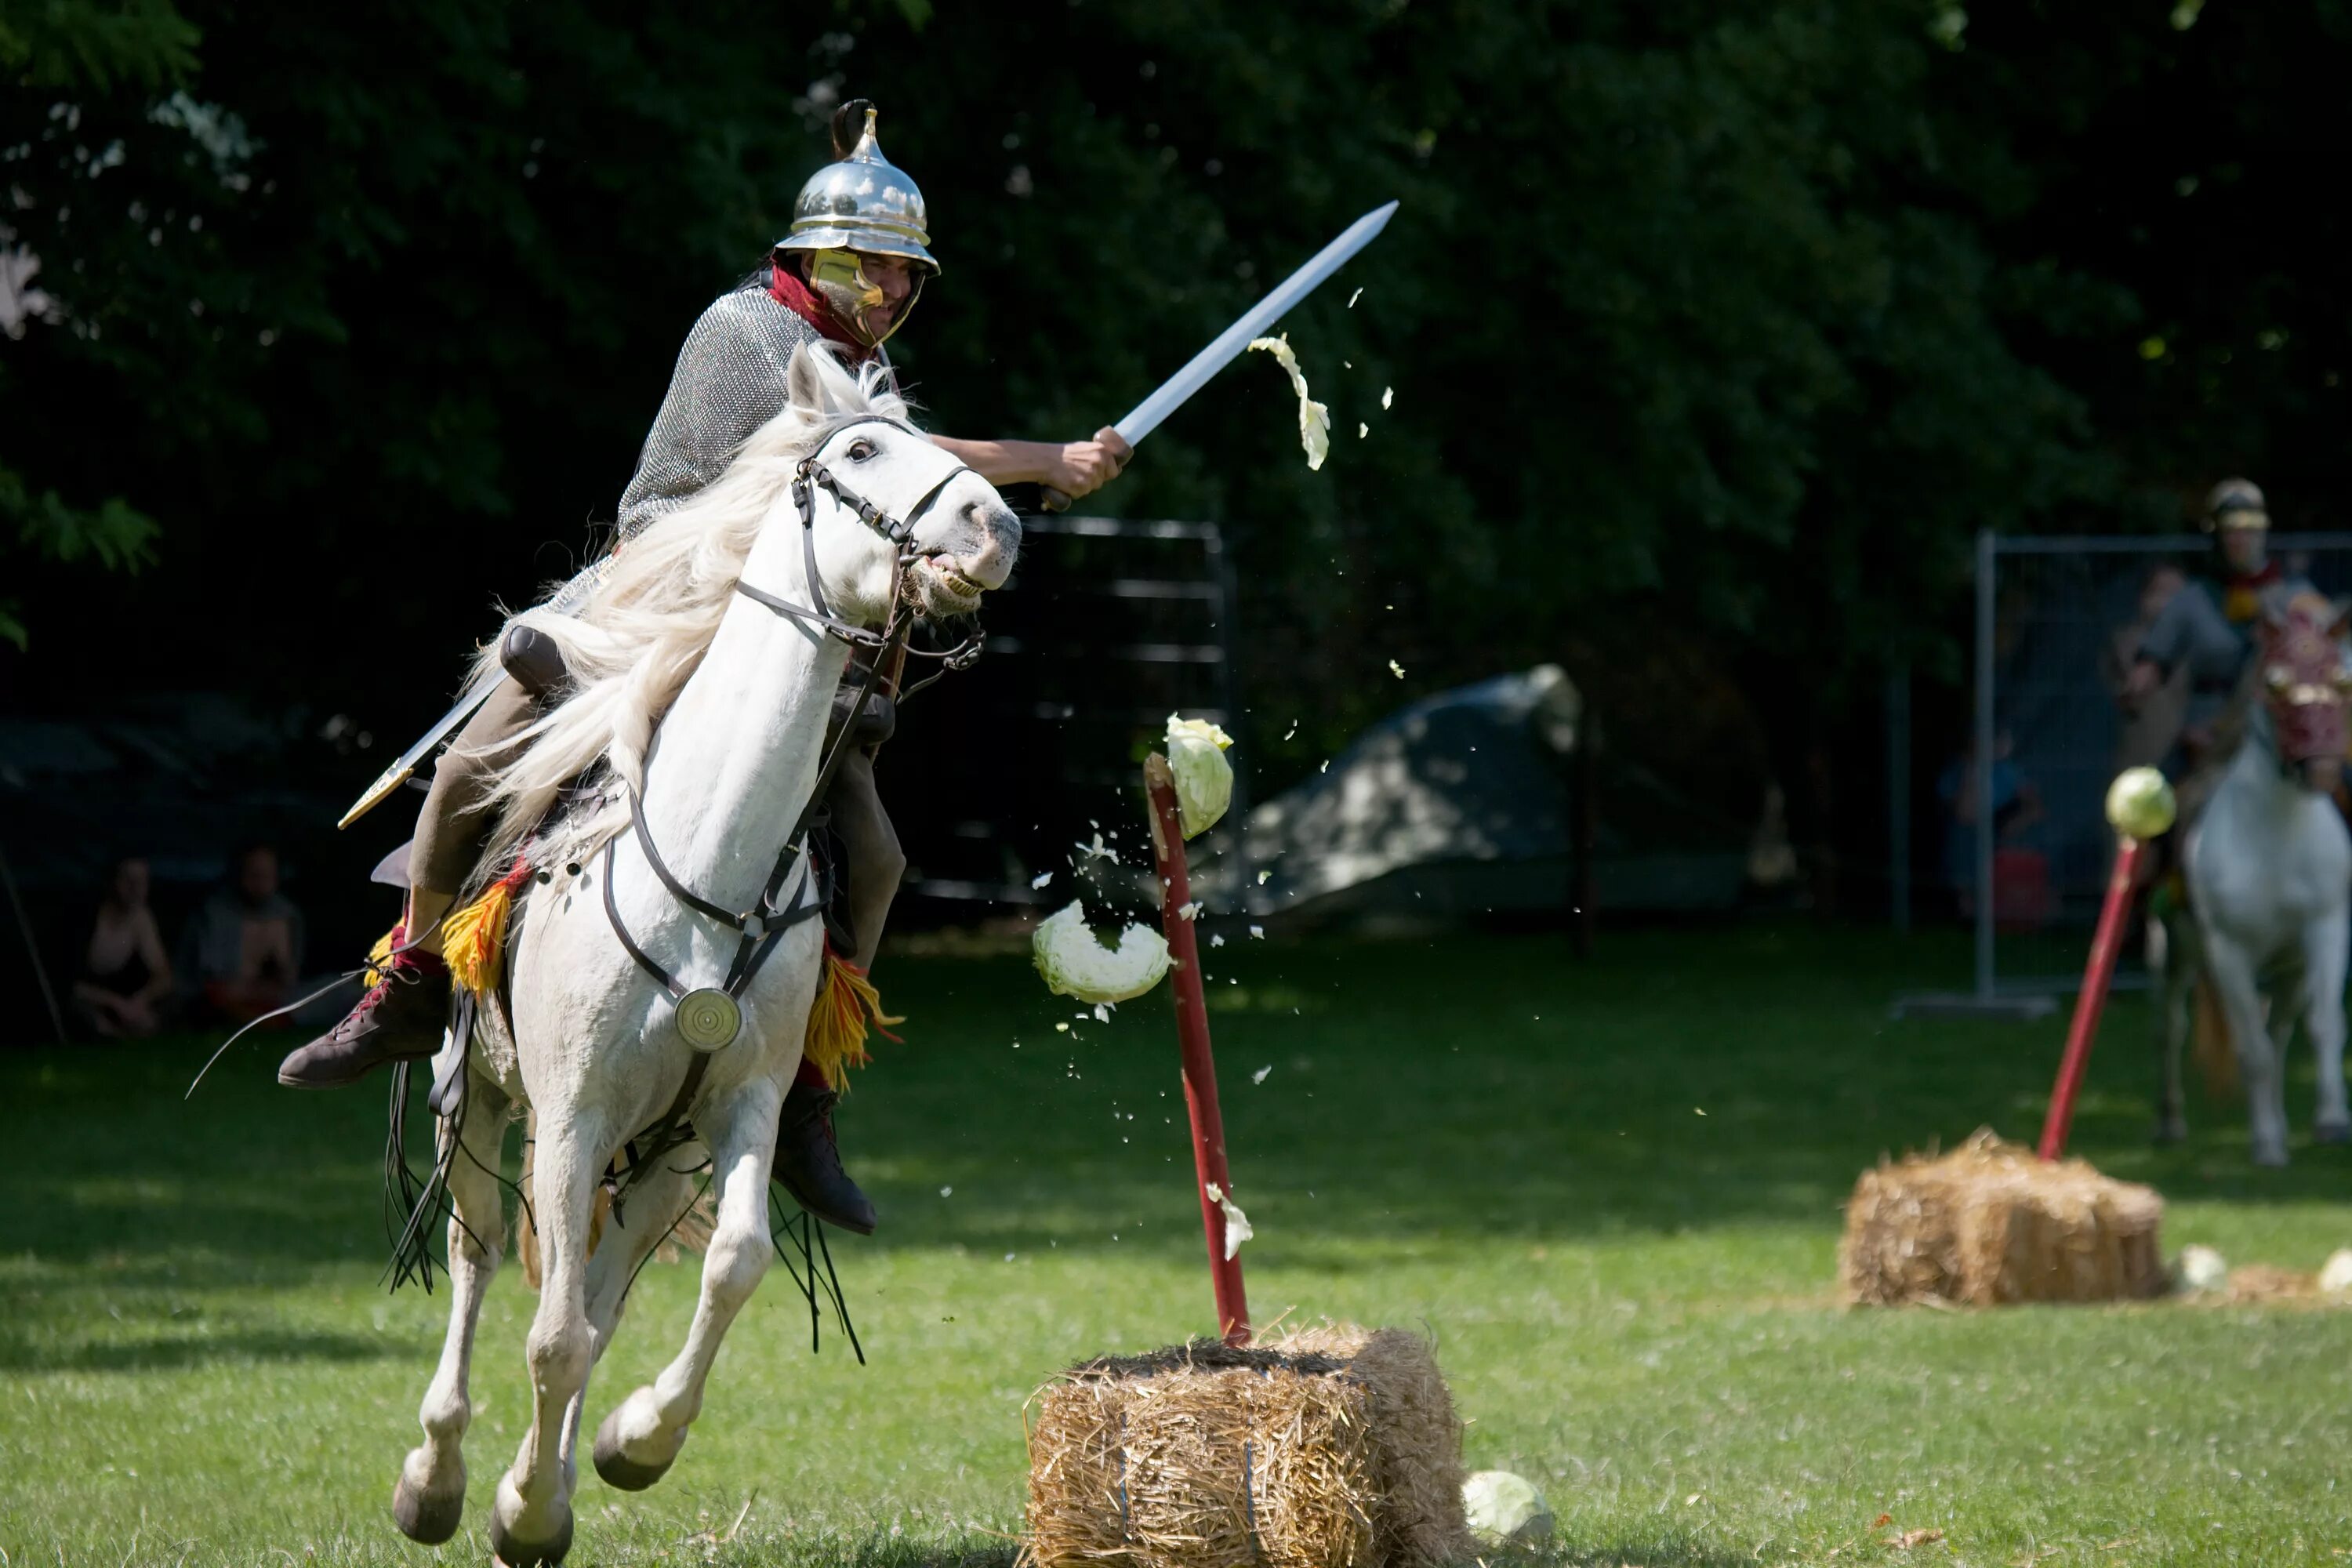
{"points": [[846, 1006], [379, 953], [474, 939]]}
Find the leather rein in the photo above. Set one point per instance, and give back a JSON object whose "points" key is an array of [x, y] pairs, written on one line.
{"points": [[710, 1018]]}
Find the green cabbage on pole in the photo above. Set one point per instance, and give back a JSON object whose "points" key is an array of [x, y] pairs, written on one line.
{"points": [[1204, 779]]}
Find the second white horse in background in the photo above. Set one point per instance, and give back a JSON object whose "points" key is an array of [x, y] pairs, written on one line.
{"points": [[2269, 870]]}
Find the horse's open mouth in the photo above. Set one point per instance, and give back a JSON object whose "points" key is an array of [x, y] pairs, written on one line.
{"points": [[952, 584]]}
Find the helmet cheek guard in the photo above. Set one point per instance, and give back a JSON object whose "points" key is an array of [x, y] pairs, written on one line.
{"points": [[839, 278]]}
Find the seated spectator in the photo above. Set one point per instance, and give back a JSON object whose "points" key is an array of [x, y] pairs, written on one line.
{"points": [[125, 975], [244, 949], [2016, 807]]}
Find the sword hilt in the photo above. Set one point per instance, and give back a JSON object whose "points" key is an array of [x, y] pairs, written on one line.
{"points": [[1029, 500]]}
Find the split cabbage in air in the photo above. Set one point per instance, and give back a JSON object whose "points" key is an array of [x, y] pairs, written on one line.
{"points": [[1076, 964]]}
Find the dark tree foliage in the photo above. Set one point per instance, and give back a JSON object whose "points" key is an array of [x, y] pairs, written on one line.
{"points": [[1722, 325]]}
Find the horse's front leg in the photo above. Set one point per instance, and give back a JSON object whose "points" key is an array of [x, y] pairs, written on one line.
{"points": [[2324, 959], [640, 1439], [532, 1520], [430, 1496], [2172, 959], [653, 1209], [2230, 970]]}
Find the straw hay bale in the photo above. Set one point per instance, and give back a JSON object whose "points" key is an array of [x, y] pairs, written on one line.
{"points": [[1331, 1447], [1990, 1223]]}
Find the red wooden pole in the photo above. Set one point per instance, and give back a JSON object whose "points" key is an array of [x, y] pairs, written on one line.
{"points": [[1193, 1036], [2097, 976]]}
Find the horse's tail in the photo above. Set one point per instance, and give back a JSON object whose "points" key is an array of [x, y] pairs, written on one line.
{"points": [[2213, 1046]]}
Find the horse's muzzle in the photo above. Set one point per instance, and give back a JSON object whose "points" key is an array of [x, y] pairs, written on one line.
{"points": [[988, 561]]}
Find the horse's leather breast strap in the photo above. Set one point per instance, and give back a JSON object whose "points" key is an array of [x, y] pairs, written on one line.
{"points": [[760, 929], [758, 932]]}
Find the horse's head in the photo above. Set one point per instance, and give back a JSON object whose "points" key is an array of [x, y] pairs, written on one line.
{"points": [[873, 473], [2304, 684]]}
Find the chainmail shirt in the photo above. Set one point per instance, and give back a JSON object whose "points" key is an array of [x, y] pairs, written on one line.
{"points": [[729, 381], [2193, 630]]}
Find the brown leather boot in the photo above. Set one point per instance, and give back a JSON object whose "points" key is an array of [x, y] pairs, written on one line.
{"points": [[808, 1161], [400, 1019]]}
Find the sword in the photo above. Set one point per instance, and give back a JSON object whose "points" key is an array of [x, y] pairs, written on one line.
{"points": [[1146, 416], [469, 703]]}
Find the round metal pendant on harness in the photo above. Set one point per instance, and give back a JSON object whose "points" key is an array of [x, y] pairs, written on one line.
{"points": [[708, 1019]]}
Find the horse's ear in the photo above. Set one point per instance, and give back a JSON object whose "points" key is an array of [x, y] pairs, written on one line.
{"points": [[803, 385]]}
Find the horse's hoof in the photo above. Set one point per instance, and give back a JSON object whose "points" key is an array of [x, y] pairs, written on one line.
{"points": [[2331, 1132], [2171, 1130], [2271, 1159], [515, 1553], [619, 1470], [428, 1518]]}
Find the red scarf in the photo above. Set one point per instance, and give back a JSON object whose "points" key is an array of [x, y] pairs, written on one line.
{"points": [[2242, 599], [786, 289]]}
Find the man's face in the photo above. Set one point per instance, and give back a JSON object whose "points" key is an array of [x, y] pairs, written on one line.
{"points": [[2242, 548], [256, 874], [895, 276], [883, 287], [130, 884]]}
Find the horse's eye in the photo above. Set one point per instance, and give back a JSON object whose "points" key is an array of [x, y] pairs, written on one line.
{"points": [[859, 451]]}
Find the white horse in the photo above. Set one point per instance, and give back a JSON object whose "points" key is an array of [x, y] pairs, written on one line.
{"points": [[739, 688], [2269, 870]]}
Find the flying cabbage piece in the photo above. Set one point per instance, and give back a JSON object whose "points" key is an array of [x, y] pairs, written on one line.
{"points": [[1075, 964], [1314, 418], [1204, 779]]}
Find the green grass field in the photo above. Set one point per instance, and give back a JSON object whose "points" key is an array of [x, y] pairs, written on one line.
{"points": [[1610, 1190]]}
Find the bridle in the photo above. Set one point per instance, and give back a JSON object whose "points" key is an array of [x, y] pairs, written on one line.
{"points": [[710, 1017]]}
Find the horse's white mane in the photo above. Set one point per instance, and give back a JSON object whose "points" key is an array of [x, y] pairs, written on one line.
{"points": [[644, 630]]}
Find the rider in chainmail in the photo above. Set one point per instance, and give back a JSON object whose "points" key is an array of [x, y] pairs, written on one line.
{"points": [[2206, 634], [2208, 630], [845, 276]]}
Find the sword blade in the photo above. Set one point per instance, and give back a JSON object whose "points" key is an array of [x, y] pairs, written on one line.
{"points": [[405, 765], [1229, 343], [563, 600]]}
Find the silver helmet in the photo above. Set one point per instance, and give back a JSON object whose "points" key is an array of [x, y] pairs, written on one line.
{"points": [[863, 203], [2236, 503]]}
